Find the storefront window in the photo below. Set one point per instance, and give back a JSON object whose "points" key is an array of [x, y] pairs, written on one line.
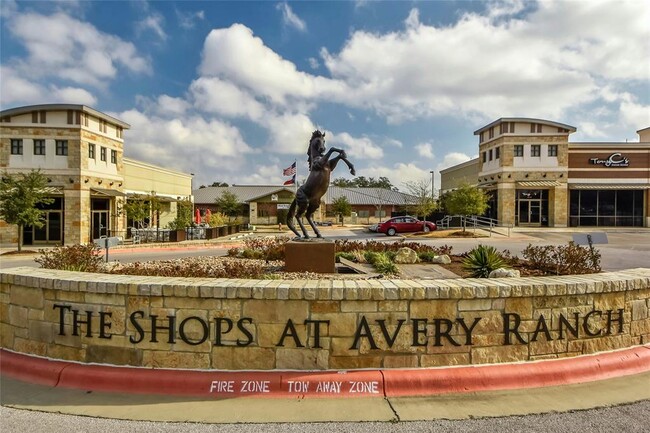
{"points": [[610, 208]]}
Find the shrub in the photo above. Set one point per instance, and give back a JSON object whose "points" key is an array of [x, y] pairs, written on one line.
{"points": [[380, 247], [81, 258], [426, 256], [384, 265], [346, 256], [570, 259], [482, 260], [205, 267], [261, 248]]}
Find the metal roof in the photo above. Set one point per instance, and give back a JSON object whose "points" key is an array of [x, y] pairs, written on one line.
{"points": [[356, 196], [369, 196], [245, 193]]}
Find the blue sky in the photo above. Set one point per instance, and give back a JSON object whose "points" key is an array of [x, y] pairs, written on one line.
{"points": [[231, 91]]}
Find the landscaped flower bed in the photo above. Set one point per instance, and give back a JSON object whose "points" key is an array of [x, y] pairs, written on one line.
{"points": [[263, 258]]}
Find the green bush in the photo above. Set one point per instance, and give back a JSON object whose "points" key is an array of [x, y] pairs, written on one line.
{"points": [[384, 265], [568, 259], [426, 256], [81, 258], [482, 260], [346, 256]]}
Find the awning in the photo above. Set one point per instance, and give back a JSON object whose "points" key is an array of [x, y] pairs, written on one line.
{"points": [[160, 198], [538, 184], [107, 192], [53, 190], [609, 186]]}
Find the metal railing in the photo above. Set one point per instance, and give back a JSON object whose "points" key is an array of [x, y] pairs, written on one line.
{"points": [[474, 221]]}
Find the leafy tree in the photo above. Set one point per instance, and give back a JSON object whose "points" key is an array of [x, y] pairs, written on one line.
{"points": [[466, 200], [217, 183], [19, 197], [229, 204], [183, 215], [363, 182], [341, 206], [136, 209], [424, 203]]}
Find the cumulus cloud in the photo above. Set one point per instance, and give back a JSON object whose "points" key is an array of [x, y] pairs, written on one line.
{"points": [[425, 150], [290, 19], [72, 50], [15, 89], [356, 147], [236, 55]]}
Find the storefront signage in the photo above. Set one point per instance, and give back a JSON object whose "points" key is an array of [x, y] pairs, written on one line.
{"points": [[614, 160], [283, 206], [415, 332]]}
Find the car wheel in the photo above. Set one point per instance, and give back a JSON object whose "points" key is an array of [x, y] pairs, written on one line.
{"points": [[426, 229], [391, 232]]}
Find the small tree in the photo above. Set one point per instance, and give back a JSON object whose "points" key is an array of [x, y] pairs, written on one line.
{"points": [[466, 200], [341, 206], [424, 203], [229, 204], [136, 209], [183, 215], [19, 197]]}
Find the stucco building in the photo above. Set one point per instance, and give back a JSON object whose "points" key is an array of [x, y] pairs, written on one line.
{"points": [[536, 177], [81, 152]]}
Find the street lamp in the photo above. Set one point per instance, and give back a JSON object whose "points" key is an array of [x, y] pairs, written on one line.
{"points": [[433, 187]]}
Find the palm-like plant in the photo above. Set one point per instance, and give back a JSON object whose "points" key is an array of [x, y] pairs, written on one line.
{"points": [[482, 260]]}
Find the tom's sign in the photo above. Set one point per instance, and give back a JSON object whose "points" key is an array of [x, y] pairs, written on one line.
{"points": [[375, 334]]}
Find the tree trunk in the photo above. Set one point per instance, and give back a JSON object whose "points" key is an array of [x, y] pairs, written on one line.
{"points": [[20, 237]]}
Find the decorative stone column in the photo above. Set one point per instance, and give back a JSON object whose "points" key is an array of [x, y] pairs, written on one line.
{"points": [[506, 203], [77, 216], [557, 206]]}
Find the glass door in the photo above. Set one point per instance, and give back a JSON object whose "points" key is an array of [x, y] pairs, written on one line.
{"points": [[99, 224], [530, 212]]}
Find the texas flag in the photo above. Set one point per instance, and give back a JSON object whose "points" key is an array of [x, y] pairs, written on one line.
{"points": [[292, 180], [290, 171]]}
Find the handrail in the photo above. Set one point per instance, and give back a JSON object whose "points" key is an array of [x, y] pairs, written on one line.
{"points": [[474, 221]]}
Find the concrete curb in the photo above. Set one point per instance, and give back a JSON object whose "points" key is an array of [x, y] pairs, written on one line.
{"points": [[330, 384]]}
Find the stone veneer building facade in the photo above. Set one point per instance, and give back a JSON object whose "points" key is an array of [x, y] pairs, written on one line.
{"points": [[81, 152], [536, 177]]}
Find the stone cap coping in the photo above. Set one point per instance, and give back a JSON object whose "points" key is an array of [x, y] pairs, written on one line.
{"points": [[331, 384], [327, 289]]}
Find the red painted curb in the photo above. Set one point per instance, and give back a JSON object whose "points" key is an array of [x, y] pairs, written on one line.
{"points": [[295, 384]]}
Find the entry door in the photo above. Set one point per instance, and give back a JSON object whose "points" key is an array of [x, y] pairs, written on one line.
{"points": [[100, 224], [530, 212]]}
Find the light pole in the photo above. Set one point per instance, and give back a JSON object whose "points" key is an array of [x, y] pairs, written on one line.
{"points": [[433, 186]]}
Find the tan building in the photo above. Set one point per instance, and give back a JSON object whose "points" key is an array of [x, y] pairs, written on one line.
{"points": [[536, 177], [81, 152], [464, 173]]}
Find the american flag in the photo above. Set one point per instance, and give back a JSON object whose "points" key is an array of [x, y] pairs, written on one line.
{"points": [[291, 181], [290, 171]]}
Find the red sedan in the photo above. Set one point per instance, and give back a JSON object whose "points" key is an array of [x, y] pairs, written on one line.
{"points": [[405, 224]]}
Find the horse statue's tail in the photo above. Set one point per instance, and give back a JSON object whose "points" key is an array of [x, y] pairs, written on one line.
{"points": [[291, 217]]}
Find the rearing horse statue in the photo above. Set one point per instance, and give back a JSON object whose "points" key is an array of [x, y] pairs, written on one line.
{"points": [[308, 196]]}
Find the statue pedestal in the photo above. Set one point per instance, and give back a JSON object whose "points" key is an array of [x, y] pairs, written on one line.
{"points": [[310, 256]]}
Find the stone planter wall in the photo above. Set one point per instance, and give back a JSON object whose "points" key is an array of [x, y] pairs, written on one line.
{"points": [[318, 324]]}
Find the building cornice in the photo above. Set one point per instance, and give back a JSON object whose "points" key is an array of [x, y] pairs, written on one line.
{"points": [[61, 107]]}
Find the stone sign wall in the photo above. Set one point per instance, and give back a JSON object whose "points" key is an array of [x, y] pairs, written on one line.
{"points": [[235, 324]]}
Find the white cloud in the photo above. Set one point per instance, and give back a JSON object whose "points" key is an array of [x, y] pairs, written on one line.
{"points": [[635, 115], [153, 23], [361, 148], [425, 150], [16, 89], [399, 174], [314, 63], [290, 19], [191, 143], [72, 50], [235, 55], [187, 20], [214, 95]]}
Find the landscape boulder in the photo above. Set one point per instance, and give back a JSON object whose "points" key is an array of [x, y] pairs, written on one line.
{"points": [[406, 256], [441, 260], [503, 272]]}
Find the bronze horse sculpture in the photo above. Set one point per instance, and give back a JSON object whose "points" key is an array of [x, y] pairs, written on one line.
{"points": [[309, 194]]}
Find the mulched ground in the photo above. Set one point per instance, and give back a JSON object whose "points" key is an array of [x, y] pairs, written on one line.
{"points": [[16, 252]]}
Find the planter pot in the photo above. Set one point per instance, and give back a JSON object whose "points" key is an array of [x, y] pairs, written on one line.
{"points": [[177, 235]]}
